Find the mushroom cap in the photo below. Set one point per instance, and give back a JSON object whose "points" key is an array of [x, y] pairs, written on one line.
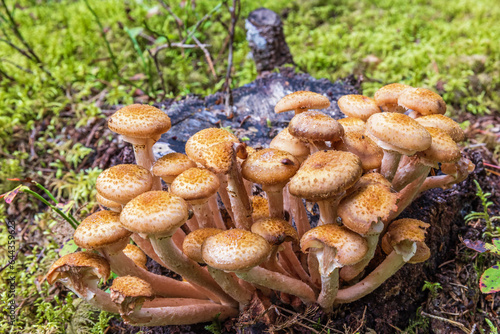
{"points": [[129, 293], [136, 254], [444, 123], [101, 229], [398, 132], [406, 229], [195, 184], [270, 167], [353, 124], [139, 121], [423, 101], [235, 250], [221, 157], [191, 245], [112, 205], [154, 213], [363, 207], [350, 247], [358, 106], [422, 254], [284, 141], [315, 126], [121, 183], [443, 149], [325, 174], [364, 147], [200, 141], [260, 208], [83, 264], [302, 100], [275, 230], [387, 97], [171, 165], [369, 178]]}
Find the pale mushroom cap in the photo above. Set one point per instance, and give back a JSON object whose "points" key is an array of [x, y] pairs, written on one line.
{"points": [[423, 101], [193, 241], [315, 126], [366, 205], [171, 165], [87, 263], [139, 121], [130, 286], [100, 229], [200, 141], [406, 229], [235, 250], [195, 184], [302, 100], [444, 123], [136, 254], [270, 167], [350, 246], [364, 147], [399, 132], [154, 213], [443, 148], [353, 124], [260, 208], [358, 106], [387, 96], [275, 230], [325, 174], [115, 206], [121, 183], [284, 141]]}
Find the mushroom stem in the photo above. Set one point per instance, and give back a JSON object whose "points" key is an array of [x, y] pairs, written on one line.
{"points": [[288, 255], [329, 288], [392, 263], [203, 214], [328, 210], [313, 267], [406, 196], [299, 213], [224, 196], [279, 282], [92, 295], [214, 208], [180, 315], [410, 171], [390, 163], [144, 157], [192, 223], [146, 247], [187, 268], [275, 200], [240, 202], [348, 273], [231, 286]]}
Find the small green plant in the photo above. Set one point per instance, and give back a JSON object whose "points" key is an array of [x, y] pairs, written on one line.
{"points": [[215, 327], [490, 279], [490, 229], [432, 287], [419, 324]]}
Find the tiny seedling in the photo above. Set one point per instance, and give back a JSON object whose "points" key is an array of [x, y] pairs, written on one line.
{"points": [[490, 230], [490, 279], [432, 287]]}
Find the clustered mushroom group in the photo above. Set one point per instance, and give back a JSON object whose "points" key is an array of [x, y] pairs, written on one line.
{"points": [[362, 171]]}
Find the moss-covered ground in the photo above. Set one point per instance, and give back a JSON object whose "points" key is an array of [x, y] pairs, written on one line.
{"points": [[64, 64]]}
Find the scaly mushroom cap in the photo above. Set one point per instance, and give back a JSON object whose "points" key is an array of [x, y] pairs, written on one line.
{"points": [[195, 184], [235, 250], [284, 141], [350, 247], [270, 167], [325, 174], [129, 293], [315, 126], [154, 213], [193, 241], [422, 254], [220, 158], [387, 97], [121, 183], [404, 234], [370, 153], [369, 178], [171, 165], [200, 141], [423, 101], [112, 205], [139, 121], [76, 268], [366, 205], [136, 254], [398, 132], [101, 229], [276, 231], [302, 100], [353, 124], [443, 149], [444, 123], [260, 208], [358, 106]]}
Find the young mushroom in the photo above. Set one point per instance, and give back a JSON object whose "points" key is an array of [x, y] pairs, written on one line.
{"points": [[169, 166], [358, 106], [301, 101], [387, 97], [421, 102]]}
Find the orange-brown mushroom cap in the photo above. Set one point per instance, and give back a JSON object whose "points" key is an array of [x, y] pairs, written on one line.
{"points": [[304, 100], [260, 208], [275, 230], [315, 126], [423, 101], [235, 250], [136, 254], [443, 149], [358, 106], [195, 184], [171, 165], [353, 124], [444, 123], [139, 121], [270, 167], [387, 97], [200, 141], [364, 147], [284, 141], [191, 245], [130, 292], [84, 264]]}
